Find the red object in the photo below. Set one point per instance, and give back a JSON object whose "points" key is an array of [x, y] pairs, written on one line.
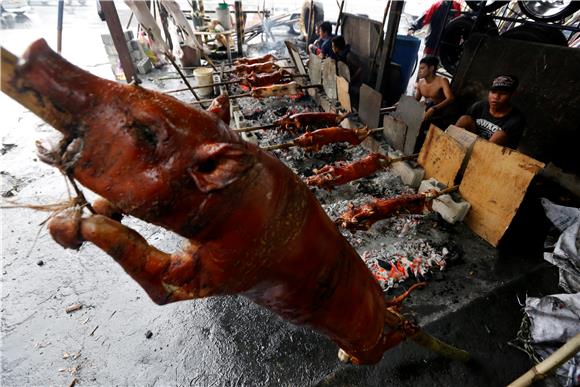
{"points": [[301, 120], [313, 141], [260, 59], [429, 14], [246, 69], [341, 173], [265, 79], [363, 217], [253, 228]]}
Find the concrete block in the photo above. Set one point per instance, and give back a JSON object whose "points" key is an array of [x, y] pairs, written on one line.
{"points": [[451, 207], [110, 50], [107, 40], [144, 66], [129, 35], [410, 175]]}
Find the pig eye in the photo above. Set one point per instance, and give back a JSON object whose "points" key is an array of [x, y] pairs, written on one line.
{"points": [[144, 134]]}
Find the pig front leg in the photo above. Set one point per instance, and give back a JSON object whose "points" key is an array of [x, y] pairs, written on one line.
{"points": [[166, 278], [106, 208]]}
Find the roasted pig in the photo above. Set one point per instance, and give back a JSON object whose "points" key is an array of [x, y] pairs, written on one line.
{"points": [[301, 120], [281, 90], [253, 227], [342, 172], [266, 79], [260, 59], [314, 141], [363, 217], [245, 69], [220, 106]]}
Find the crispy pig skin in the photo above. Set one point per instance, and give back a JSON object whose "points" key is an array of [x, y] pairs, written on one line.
{"points": [[260, 59], [341, 173], [363, 217], [253, 227], [314, 141], [220, 106]]}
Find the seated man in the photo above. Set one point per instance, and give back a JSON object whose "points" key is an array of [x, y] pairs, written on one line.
{"points": [[496, 119], [341, 53], [434, 88], [322, 46], [438, 98]]}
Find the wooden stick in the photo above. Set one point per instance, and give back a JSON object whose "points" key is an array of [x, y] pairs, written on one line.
{"points": [[555, 360], [434, 195], [201, 86], [425, 340], [39, 105], [286, 145], [254, 128]]}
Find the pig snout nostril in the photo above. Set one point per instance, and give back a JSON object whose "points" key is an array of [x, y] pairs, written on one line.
{"points": [[207, 166]]}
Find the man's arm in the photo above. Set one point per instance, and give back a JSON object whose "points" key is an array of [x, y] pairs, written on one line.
{"points": [[500, 138], [418, 94], [448, 98], [466, 122]]}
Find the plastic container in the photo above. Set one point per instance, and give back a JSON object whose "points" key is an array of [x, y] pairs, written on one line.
{"points": [[406, 54], [223, 15], [204, 76]]}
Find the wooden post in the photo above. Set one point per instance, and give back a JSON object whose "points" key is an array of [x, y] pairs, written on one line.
{"points": [[338, 21], [114, 24], [239, 27]]}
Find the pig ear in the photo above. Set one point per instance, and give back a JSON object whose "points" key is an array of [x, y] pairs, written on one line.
{"points": [[218, 165]]}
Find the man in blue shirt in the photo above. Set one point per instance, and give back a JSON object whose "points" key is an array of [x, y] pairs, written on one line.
{"points": [[323, 45]]}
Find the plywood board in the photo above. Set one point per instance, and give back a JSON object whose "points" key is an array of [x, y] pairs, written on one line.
{"points": [[329, 78], [441, 156], [315, 69], [411, 112], [369, 106], [394, 131], [466, 138], [494, 183], [294, 54], [343, 96]]}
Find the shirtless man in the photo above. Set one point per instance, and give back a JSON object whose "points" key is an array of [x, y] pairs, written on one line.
{"points": [[435, 89]]}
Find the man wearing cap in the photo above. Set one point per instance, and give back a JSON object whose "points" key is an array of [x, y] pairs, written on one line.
{"points": [[496, 119]]}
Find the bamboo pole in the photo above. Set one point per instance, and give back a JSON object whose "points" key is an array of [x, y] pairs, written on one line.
{"points": [[544, 368], [39, 105]]}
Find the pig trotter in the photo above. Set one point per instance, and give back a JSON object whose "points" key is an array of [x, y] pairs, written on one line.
{"points": [[166, 278], [64, 228]]}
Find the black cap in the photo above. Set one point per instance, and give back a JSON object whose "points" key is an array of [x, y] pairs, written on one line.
{"points": [[505, 83]]}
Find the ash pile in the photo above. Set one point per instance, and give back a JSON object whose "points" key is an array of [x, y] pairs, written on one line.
{"points": [[399, 250]]}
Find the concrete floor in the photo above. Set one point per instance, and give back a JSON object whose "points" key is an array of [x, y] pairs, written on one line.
{"points": [[120, 337]]}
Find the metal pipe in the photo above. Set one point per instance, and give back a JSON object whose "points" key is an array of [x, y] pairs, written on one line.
{"points": [[59, 26]]}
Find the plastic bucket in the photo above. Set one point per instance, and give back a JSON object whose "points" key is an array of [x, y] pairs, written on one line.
{"points": [[204, 76], [406, 55], [223, 15]]}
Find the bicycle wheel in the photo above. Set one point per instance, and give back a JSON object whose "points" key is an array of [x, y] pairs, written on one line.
{"points": [[454, 36], [548, 10]]}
